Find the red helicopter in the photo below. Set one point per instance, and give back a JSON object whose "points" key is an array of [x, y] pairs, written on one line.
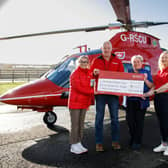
{"points": [[52, 88]]}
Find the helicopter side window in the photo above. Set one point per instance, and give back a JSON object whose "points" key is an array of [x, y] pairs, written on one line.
{"points": [[128, 66], [147, 67], [60, 75]]}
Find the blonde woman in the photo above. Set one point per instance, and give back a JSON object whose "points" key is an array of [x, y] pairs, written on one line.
{"points": [[160, 101]]}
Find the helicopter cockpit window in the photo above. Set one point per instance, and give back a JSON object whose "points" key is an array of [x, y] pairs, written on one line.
{"points": [[60, 75], [128, 66]]}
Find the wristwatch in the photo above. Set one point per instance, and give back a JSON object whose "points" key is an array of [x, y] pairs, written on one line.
{"points": [[155, 92]]}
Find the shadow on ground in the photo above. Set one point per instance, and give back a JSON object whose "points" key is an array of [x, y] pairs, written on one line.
{"points": [[54, 151]]}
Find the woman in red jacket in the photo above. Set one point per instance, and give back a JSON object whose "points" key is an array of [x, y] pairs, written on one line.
{"points": [[81, 94]]}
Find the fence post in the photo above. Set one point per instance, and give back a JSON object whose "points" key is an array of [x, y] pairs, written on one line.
{"points": [[13, 76], [28, 77]]}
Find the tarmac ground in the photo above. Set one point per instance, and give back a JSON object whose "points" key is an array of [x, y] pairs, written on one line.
{"points": [[26, 142]]}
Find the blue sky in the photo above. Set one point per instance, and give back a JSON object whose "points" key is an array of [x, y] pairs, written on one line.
{"points": [[31, 16]]}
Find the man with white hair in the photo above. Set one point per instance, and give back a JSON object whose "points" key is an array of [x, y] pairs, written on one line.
{"points": [[108, 62]]}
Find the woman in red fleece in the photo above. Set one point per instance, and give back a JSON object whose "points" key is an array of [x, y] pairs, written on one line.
{"points": [[81, 95]]}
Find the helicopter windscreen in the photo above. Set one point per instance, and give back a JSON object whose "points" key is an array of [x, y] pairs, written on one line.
{"points": [[60, 75]]}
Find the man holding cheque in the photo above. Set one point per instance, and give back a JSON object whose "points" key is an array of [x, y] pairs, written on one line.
{"points": [[107, 62]]}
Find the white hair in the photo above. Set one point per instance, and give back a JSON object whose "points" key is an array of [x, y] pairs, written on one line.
{"points": [[136, 57], [107, 42]]}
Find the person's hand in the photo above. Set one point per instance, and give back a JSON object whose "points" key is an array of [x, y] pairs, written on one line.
{"points": [[95, 92], [148, 94], [143, 96], [96, 72], [145, 76]]}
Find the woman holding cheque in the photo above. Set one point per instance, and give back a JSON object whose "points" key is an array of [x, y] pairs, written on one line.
{"points": [[81, 95], [160, 101], [136, 106]]}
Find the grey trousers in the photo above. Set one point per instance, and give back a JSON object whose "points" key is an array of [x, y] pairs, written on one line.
{"points": [[77, 125]]}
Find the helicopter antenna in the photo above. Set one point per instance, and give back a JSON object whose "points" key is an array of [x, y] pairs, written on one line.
{"points": [[81, 48]]}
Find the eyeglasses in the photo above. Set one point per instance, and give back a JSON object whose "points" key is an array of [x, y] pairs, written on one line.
{"points": [[84, 62]]}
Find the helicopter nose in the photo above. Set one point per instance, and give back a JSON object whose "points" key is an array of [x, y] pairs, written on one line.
{"points": [[30, 93]]}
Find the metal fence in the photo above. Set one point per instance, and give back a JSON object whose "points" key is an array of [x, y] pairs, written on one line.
{"points": [[21, 75]]}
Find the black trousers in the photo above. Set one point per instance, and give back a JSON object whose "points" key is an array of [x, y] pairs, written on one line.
{"points": [[135, 120], [161, 108]]}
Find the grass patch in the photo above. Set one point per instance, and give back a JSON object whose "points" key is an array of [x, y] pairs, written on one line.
{"points": [[4, 87]]}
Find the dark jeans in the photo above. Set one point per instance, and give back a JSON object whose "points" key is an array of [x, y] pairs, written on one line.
{"points": [[135, 120], [161, 108], [113, 105]]}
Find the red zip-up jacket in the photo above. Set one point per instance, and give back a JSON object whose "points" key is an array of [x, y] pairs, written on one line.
{"points": [[114, 64], [81, 93]]}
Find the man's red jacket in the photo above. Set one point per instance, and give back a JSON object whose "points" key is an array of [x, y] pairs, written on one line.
{"points": [[114, 64]]}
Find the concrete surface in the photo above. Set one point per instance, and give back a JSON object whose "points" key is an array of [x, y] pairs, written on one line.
{"points": [[25, 142]]}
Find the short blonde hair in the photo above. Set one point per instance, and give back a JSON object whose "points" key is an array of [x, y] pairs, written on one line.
{"points": [[161, 66], [136, 57]]}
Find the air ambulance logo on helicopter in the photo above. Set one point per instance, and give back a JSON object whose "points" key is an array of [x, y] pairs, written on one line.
{"points": [[134, 38], [120, 55]]}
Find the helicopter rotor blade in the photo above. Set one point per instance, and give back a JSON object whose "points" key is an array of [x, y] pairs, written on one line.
{"points": [[87, 29], [147, 24], [122, 10]]}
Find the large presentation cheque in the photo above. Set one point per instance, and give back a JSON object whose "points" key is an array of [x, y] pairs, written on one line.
{"points": [[120, 83]]}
